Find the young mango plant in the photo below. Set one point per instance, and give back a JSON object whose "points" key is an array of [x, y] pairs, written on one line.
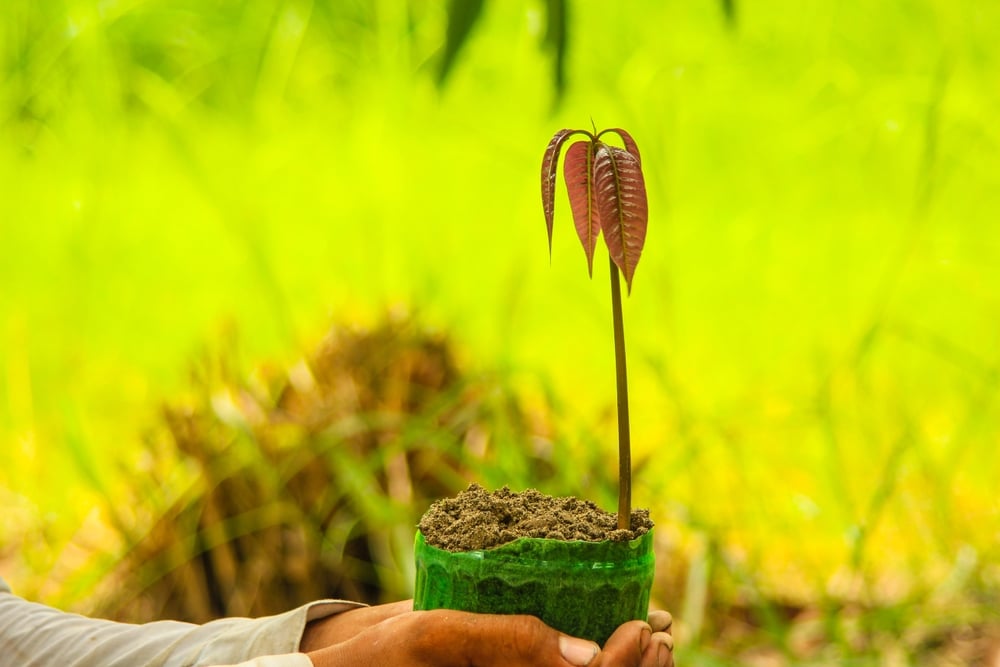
{"points": [[607, 194]]}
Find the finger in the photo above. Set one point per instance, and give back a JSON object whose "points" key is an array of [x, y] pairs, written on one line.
{"points": [[627, 646], [660, 651], [444, 638], [379, 613], [521, 640], [660, 621], [397, 640]]}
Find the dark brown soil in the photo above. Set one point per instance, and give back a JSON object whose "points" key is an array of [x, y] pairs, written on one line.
{"points": [[476, 519]]}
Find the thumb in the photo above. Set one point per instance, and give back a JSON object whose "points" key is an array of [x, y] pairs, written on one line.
{"points": [[445, 638], [577, 651], [523, 640]]}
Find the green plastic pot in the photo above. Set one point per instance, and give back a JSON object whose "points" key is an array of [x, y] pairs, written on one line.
{"points": [[585, 589]]}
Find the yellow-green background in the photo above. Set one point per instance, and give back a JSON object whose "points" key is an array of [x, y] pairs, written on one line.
{"points": [[814, 327]]}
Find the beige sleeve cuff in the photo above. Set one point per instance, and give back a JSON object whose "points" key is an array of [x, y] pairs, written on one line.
{"points": [[270, 636], [299, 618]]}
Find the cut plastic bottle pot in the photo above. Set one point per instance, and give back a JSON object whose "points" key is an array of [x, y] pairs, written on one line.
{"points": [[585, 589]]}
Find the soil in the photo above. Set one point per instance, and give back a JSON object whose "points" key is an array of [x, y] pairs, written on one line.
{"points": [[477, 519]]}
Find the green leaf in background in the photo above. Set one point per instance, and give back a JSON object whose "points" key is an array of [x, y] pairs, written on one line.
{"points": [[729, 12], [462, 18], [464, 15], [557, 39]]}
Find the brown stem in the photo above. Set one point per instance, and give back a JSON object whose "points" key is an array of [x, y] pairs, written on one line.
{"points": [[621, 377]]}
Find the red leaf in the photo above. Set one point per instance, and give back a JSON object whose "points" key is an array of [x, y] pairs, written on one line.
{"points": [[621, 203], [549, 163], [578, 168], [627, 139]]}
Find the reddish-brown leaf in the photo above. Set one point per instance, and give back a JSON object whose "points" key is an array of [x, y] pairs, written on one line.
{"points": [[621, 203], [549, 165], [578, 168], [627, 139]]}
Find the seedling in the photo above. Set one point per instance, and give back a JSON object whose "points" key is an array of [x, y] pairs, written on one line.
{"points": [[607, 194]]}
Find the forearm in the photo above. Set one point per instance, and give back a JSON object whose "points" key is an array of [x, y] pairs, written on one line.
{"points": [[33, 635]]}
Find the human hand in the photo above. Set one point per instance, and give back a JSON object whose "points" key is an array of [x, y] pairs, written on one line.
{"points": [[396, 635]]}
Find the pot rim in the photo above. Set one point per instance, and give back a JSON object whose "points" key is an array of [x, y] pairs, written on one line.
{"points": [[526, 548]]}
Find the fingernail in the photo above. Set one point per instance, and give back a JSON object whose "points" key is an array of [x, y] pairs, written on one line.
{"points": [[577, 651], [663, 653], [647, 634]]}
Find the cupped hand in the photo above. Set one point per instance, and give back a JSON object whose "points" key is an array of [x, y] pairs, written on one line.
{"points": [[394, 634]]}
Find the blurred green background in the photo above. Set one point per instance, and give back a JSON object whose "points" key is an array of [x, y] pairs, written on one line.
{"points": [[813, 329]]}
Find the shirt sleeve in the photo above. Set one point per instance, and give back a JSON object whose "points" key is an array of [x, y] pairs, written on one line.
{"points": [[34, 635]]}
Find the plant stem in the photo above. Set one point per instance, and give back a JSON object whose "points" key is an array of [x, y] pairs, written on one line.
{"points": [[621, 377]]}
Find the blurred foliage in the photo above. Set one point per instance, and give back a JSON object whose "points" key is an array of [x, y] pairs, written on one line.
{"points": [[813, 333], [463, 15], [309, 482]]}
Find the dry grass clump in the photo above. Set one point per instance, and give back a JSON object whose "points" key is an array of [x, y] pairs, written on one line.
{"points": [[308, 482]]}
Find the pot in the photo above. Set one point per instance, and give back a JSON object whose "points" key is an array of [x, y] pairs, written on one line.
{"points": [[584, 589]]}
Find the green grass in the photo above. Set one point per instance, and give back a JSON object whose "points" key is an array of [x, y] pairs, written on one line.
{"points": [[812, 330]]}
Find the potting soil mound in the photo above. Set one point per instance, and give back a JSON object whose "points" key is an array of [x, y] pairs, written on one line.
{"points": [[476, 519]]}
